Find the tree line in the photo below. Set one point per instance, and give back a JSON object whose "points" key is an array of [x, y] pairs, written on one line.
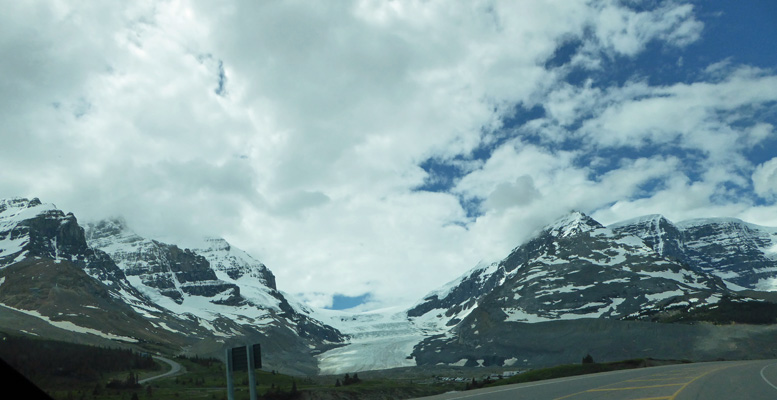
{"points": [[47, 360]]}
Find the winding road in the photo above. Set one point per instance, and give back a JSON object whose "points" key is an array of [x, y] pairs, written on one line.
{"points": [[752, 380], [175, 369]]}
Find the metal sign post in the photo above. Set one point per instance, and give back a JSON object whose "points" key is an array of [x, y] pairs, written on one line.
{"points": [[243, 358], [251, 377], [230, 370]]}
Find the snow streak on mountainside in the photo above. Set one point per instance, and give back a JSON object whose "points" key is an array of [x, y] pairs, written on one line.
{"points": [[215, 282], [29, 228], [575, 276], [51, 273], [191, 300], [744, 255], [574, 268], [571, 273]]}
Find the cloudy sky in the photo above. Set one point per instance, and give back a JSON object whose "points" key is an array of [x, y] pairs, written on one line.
{"points": [[378, 149]]}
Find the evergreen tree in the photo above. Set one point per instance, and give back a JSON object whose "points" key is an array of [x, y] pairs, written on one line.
{"points": [[588, 359]]}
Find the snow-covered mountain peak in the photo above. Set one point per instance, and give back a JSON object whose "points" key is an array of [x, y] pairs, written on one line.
{"points": [[108, 234], [215, 244], [18, 202], [731, 223], [572, 224], [18, 209], [33, 228], [645, 220], [235, 263]]}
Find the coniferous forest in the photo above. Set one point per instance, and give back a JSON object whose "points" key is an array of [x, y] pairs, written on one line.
{"points": [[53, 361]]}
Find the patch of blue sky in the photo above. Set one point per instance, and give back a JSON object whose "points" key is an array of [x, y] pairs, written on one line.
{"points": [[727, 25], [473, 206], [763, 151], [442, 178], [342, 302], [730, 192], [604, 160], [648, 188], [662, 64], [745, 32], [441, 175]]}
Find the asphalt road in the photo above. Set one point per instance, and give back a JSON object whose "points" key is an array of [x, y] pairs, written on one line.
{"points": [[730, 380], [175, 368]]}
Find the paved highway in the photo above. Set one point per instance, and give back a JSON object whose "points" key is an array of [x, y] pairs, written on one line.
{"points": [[175, 368], [729, 380]]}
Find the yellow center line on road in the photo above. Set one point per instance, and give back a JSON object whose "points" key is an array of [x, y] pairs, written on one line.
{"points": [[674, 396], [691, 374], [653, 398], [603, 389], [656, 380]]}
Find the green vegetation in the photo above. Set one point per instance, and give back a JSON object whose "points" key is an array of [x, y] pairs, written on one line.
{"points": [[68, 365], [73, 372]]}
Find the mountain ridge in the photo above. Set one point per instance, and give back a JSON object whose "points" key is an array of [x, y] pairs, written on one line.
{"points": [[575, 274], [193, 305]]}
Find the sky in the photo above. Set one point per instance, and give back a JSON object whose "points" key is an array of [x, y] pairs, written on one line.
{"points": [[370, 151]]}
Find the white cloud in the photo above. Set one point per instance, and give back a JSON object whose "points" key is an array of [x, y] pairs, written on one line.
{"points": [[627, 32], [509, 194], [765, 179], [309, 157]]}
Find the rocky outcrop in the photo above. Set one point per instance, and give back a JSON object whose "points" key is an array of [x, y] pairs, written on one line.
{"points": [[172, 271], [744, 255], [575, 268], [570, 274]]}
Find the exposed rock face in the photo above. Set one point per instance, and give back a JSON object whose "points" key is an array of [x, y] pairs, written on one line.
{"points": [[214, 271], [740, 253], [575, 268], [575, 271], [29, 228], [234, 262], [190, 300], [167, 268], [48, 270]]}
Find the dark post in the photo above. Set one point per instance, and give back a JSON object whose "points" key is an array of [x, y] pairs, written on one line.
{"points": [[243, 358], [251, 378], [230, 370]]}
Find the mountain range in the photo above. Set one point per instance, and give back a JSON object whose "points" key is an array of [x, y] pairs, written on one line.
{"points": [[103, 282], [576, 287]]}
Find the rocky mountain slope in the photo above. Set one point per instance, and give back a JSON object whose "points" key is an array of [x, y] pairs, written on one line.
{"points": [[48, 272], [212, 280], [570, 275], [181, 300], [575, 268], [575, 287], [744, 255]]}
